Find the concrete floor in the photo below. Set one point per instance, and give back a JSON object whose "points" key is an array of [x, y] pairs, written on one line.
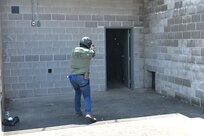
{"points": [[38, 114]]}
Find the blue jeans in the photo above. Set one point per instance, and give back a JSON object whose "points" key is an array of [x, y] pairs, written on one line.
{"points": [[81, 86]]}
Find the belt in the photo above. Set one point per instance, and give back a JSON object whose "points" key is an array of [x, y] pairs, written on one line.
{"points": [[74, 75]]}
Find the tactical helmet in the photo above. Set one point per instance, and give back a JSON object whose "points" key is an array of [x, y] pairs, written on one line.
{"points": [[85, 42]]}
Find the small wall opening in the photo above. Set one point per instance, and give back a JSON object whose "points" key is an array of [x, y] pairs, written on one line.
{"points": [[49, 71], [150, 80], [153, 80]]}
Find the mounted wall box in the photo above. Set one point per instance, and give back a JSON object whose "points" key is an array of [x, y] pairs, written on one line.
{"points": [[15, 9]]}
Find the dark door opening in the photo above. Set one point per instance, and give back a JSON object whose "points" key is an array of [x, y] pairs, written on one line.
{"points": [[153, 80], [118, 58]]}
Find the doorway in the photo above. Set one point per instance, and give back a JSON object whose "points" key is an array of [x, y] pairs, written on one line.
{"points": [[118, 58]]}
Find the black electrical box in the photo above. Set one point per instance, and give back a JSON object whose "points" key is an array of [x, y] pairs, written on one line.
{"points": [[15, 9]]}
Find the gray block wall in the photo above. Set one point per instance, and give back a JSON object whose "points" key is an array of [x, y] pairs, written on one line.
{"points": [[174, 48], [138, 54], [1, 81], [30, 51]]}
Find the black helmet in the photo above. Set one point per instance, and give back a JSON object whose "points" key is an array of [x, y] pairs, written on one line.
{"points": [[85, 42]]}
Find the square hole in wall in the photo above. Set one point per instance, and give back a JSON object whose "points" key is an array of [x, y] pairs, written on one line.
{"points": [[49, 71], [15, 9], [153, 81]]}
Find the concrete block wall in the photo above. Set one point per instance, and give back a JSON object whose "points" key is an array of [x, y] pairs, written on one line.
{"points": [[1, 82], [30, 52], [1, 78], [174, 48], [138, 53]]}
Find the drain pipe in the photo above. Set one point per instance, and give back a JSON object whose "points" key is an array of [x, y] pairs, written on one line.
{"points": [[35, 14], [33, 23]]}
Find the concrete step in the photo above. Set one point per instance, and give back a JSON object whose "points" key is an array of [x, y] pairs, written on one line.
{"points": [[160, 125], [198, 120]]}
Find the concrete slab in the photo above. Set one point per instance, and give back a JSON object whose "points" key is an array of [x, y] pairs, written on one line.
{"points": [[161, 125], [55, 113]]}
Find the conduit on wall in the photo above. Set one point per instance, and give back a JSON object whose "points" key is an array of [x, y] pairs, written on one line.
{"points": [[35, 13]]}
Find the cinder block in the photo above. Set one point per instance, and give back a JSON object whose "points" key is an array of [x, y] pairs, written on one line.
{"points": [[51, 37], [46, 57], [195, 35], [11, 80], [72, 30], [47, 84], [105, 24], [202, 17], [17, 58], [196, 101], [199, 93], [191, 43], [186, 82], [65, 37], [18, 86], [11, 94], [24, 37], [178, 20], [178, 81], [26, 93], [85, 17], [200, 26], [33, 85], [25, 79], [58, 17], [59, 57], [196, 18], [191, 26], [186, 35], [109, 18], [202, 35], [182, 12], [200, 8], [72, 17], [121, 18], [59, 44], [58, 30], [182, 27], [15, 16], [27, 16], [91, 24], [127, 24], [115, 24], [187, 19], [44, 16], [191, 10], [179, 35], [97, 17], [54, 91], [182, 96], [32, 58], [40, 92]]}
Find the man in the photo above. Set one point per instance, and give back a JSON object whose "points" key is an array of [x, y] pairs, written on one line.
{"points": [[79, 76]]}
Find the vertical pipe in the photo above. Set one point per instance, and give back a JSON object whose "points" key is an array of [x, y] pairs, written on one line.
{"points": [[33, 23], [37, 14]]}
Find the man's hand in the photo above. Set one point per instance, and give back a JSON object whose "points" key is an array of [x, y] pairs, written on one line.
{"points": [[92, 48]]}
